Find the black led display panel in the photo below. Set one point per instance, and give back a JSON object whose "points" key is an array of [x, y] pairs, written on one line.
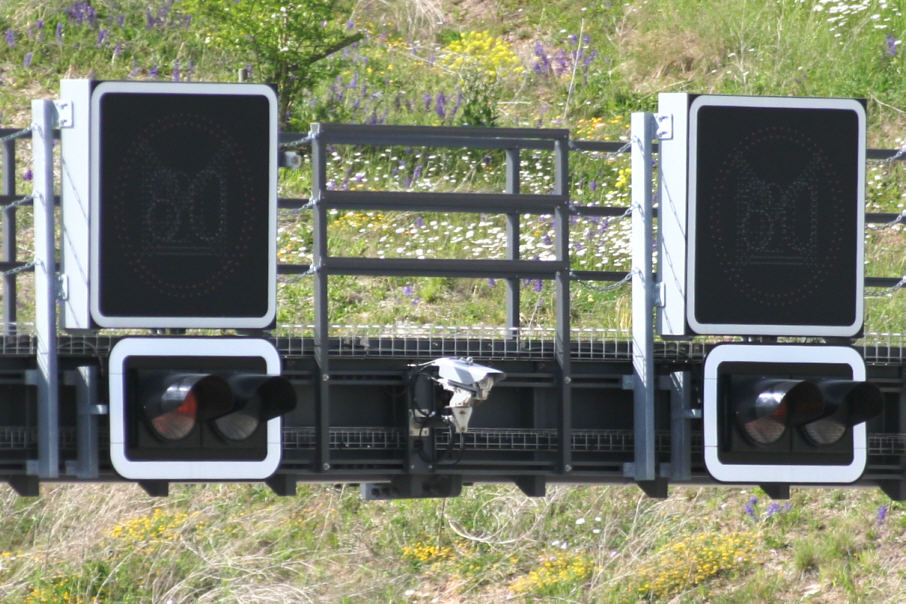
{"points": [[183, 208], [776, 215]]}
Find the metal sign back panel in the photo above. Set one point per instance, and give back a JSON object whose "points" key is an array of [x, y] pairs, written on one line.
{"points": [[776, 216], [183, 212]]}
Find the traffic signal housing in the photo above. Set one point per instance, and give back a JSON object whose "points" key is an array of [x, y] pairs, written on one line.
{"points": [[786, 413], [196, 408]]}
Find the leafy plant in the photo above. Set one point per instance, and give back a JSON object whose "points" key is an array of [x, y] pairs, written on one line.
{"points": [[284, 43]]}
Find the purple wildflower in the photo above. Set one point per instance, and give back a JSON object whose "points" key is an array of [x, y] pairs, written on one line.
{"points": [[82, 13], [58, 33], [772, 509], [441, 106], [538, 285], [153, 71], [882, 514], [10, 38], [543, 64], [176, 71], [492, 282], [28, 175], [892, 43], [561, 62], [427, 98], [102, 35], [419, 222], [407, 291], [458, 103], [750, 508], [27, 61]]}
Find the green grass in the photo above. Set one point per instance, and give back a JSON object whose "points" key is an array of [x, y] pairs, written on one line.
{"points": [[585, 544]]}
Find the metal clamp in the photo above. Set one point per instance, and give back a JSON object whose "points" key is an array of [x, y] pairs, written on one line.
{"points": [[664, 123], [64, 113]]}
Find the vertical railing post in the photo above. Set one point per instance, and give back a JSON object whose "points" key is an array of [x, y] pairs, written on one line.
{"points": [[322, 327], [45, 116], [8, 187], [562, 347], [642, 132], [512, 243]]}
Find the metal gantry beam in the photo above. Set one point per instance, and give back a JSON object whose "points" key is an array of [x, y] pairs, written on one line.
{"points": [[565, 442]]}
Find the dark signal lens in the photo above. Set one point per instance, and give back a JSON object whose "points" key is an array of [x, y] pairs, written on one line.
{"points": [[186, 399], [176, 424], [776, 403]]}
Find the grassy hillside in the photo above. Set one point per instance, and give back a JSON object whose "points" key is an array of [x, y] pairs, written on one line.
{"points": [[582, 66]]}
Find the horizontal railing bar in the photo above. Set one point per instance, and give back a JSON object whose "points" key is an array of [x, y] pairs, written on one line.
{"points": [[542, 137], [452, 267], [599, 275], [9, 266], [434, 267], [884, 154], [882, 281], [579, 210], [23, 135], [442, 202], [293, 269], [291, 203], [874, 217], [601, 146], [333, 131], [8, 199], [456, 142]]}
